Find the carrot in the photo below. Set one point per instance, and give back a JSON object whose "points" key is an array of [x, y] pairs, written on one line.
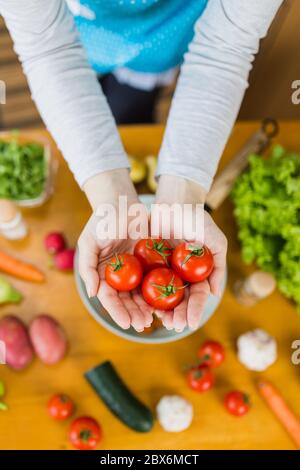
{"points": [[279, 407], [20, 269]]}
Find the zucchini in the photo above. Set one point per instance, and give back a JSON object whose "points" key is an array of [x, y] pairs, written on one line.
{"points": [[118, 398]]}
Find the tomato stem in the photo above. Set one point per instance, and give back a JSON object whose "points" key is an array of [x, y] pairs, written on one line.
{"points": [[197, 251], [203, 359], [166, 291], [117, 264], [64, 398], [85, 434], [198, 374], [246, 399], [160, 249]]}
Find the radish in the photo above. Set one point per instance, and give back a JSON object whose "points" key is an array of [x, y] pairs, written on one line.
{"points": [[55, 243], [64, 260]]}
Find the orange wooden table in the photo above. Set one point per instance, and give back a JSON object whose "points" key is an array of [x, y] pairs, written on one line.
{"points": [[26, 424]]}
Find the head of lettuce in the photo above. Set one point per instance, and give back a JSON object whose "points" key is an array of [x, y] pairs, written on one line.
{"points": [[267, 211]]}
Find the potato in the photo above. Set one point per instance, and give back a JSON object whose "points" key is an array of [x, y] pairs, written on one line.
{"points": [[48, 339], [13, 332]]}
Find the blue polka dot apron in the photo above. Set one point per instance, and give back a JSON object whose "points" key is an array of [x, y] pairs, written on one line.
{"points": [[149, 36]]}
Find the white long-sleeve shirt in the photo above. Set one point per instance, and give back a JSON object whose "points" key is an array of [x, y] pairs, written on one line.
{"points": [[209, 92]]}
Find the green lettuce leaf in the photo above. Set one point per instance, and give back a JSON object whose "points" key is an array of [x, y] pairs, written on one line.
{"points": [[267, 210]]}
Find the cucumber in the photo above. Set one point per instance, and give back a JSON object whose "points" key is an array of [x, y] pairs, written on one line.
{"points": [[119, 399]]}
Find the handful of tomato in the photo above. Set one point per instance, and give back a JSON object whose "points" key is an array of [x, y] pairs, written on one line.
{"points": [[160, 271]]}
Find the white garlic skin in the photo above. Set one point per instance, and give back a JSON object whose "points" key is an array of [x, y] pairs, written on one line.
{"points": [[257, 350]]}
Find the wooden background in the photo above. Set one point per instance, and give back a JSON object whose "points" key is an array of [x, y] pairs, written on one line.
{"points": [[269, 94]]}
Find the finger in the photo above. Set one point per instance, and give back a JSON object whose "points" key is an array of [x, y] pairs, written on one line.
{"points": [[216, 280], [88, 264], [198, 296], [146, 309], [217, 276], [110, 300], [180, 313], [137, 317], [167, 319], [219, 251]]}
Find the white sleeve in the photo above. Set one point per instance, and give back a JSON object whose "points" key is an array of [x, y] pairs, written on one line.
{"points": [[212, 82], [64, 86]]}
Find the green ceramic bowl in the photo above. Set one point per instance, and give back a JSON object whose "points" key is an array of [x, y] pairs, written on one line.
{"points": [[161, 335]]}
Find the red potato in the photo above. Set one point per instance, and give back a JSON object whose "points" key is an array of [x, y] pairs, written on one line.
{"points": [[48, 339], [19, 351]]}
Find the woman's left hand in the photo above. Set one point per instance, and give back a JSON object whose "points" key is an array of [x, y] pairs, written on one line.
{"points": [[172, 190]]}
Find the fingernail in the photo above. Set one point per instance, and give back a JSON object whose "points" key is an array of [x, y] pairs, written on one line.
{"points": [[138, 328], [90, 292], [179, 330], [217, 292]]}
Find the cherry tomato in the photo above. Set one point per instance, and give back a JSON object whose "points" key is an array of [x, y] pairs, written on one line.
{"points": [[211, 353], [163, 289], [124, 272], [85, 433], [192, 263], [200, 378], [153, 253], [60, 407], [237, 403]]}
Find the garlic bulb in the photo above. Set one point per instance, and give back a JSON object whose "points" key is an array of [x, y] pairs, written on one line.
{"points": [[257, 350]]}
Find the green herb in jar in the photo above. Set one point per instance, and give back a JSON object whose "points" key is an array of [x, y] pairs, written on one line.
{"points": [[22, 170]]}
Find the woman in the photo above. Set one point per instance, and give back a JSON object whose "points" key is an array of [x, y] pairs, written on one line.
{"points": [[139, 43]]}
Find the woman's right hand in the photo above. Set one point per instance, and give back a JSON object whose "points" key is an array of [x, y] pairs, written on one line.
{"points": [[126, 308]]}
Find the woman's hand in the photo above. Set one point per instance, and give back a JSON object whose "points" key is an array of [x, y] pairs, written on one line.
{"points": [[125, 308], [173, 189]]}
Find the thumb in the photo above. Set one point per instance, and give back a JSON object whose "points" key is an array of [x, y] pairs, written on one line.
{"points": [[88, 264]]}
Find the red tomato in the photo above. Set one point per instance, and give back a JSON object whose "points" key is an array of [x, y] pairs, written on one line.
{"points": [[200, 378], [237, 403], [60, 407], [163, 289], [192, 263], [85, 433], [153, 253], [123, 272], [211, 353]]}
